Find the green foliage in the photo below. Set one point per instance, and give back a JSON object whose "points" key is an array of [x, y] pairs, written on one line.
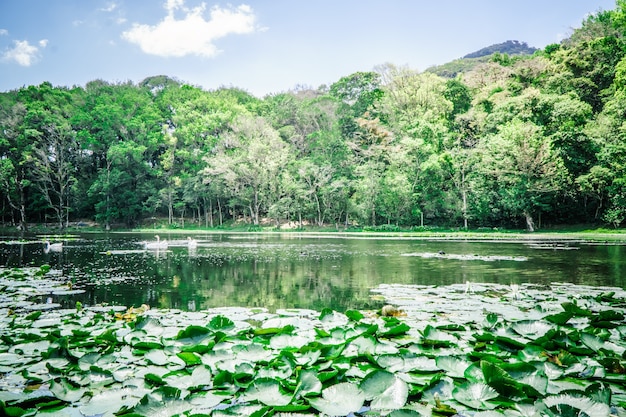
{"points": [[503, 137], [435, 358]]}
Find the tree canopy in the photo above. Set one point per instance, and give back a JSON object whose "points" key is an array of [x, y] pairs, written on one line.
{"points": [[519, 141]]}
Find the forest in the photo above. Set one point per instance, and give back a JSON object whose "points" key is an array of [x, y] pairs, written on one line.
{"points": [[519, 141]]}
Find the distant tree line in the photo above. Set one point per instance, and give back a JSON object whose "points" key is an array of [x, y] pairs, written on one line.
{"points": [[520, 141]]}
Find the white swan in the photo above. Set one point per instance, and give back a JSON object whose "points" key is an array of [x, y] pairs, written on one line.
{"points": [[192, 243], [52, 247], [159, 244]]}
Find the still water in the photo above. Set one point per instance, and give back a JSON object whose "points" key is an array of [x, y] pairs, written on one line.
{"points": [[298, 271]]}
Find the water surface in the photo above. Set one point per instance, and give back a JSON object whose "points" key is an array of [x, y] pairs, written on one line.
{"points": [[298, 271]]}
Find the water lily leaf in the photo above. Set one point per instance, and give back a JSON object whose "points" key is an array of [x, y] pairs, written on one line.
{"points": [[190, 358], [221, 323], [339, 399], [475, 395], [573, 406], [204, 401], [394, 330], [592, 342], [193, 334], [200, 378], [531, 329], [559, 318], [110, 401], [253, 352], [607, 315], [267, 391], [474, 373], [148, 345], [34, 315], [239, 410], [66, 391], [164, 401], [404, 413], [498, 379], [10, 359], [86, 361], [453, 365], [308, 383], [575, 309], [308, 357], [354, 315], [385, 390], [407, 363], [281, 341], [157, 357]]}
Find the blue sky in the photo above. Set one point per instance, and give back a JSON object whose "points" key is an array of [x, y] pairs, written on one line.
{"points": [[262, 46]]}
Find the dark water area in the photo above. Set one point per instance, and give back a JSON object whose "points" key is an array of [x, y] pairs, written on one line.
{"points": [[276, 271]]}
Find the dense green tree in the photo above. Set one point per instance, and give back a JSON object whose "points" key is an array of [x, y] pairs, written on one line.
{"points": [[524, 170], [250, 161], [513, 140], [15, 149]]}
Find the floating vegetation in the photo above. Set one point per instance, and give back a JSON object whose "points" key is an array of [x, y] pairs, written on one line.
{"points": [[478, 350], [123, 252], [464, 257], [552, 246]]}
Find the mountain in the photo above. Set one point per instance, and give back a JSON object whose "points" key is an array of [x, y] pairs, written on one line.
{"points": [[508, 47], [469, 61]]}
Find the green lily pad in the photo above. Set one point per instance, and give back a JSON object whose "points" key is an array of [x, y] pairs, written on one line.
{"points": [[65, 391], [111, 400], [339, 399], [475, 395], [531, 329], [385, 390], [453, 365], [157, 357], [573, 406], [267, 391], [308, 383]]}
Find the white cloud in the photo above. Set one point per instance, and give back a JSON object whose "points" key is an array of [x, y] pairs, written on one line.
{"points": [[109, 8], [193, 34], [4, 32], [24, 53]]}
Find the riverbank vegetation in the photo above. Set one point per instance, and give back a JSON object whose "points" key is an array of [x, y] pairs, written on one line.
{"points": [[466, 350], [515, 142]]}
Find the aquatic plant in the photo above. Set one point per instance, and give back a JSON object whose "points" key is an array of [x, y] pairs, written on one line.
{"points": [[555, 350]]}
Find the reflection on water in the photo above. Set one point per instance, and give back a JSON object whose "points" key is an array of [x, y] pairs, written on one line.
{"points": [[297, 271]]}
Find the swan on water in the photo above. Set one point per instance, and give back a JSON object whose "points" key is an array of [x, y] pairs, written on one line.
{"points": [[192, 243], [159, 244], [52, 247]]}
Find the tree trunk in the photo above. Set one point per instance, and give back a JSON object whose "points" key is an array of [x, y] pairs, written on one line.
{"points": [[530, 224], [219, 209]]}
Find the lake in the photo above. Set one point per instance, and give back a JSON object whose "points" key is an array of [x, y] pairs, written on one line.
{"points": [[282, 271]]}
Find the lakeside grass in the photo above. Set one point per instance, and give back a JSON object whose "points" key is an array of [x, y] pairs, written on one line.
{"points": [[565, 233], [568, 233]]}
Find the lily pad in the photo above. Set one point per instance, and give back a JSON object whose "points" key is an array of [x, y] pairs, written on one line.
{"points": [[475, 395], [267, 391], [385, 390], [339, 399]]}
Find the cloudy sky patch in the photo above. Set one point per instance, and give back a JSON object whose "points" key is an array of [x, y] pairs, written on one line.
{"points": [[23, 53], [193, 34]]}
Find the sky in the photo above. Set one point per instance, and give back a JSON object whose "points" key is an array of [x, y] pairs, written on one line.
{"points": [[261, 46]]}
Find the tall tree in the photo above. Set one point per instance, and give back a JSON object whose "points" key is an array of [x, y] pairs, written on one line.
{"points": [[524, 170], [250, 161], [14, 148]]}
